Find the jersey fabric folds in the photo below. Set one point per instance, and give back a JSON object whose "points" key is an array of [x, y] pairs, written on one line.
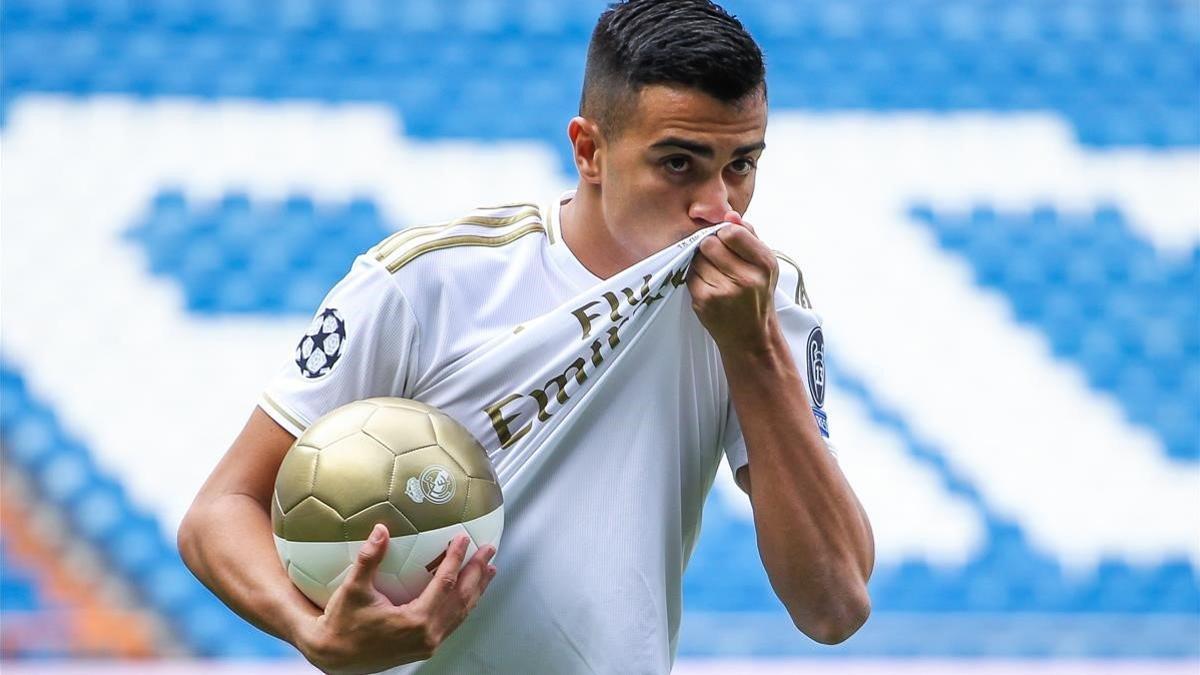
{"points": [[602, 404]]}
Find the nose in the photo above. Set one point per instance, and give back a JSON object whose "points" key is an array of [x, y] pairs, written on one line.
{"points": [[711, 203]]}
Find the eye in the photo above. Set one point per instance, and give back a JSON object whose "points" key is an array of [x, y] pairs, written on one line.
{"points": [[677, 164], [742, 166]]}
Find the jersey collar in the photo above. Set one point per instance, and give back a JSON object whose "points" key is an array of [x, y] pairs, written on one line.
{"points": [[562, 256]]}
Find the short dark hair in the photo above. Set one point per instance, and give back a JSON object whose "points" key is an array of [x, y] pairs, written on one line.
{"points": [[692, 43]]}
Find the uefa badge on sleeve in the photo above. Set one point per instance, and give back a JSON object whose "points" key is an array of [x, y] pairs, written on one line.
{"points": [[322, 344]]}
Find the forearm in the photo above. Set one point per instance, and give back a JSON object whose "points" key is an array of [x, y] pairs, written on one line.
{"points": [[813, 535], [227, 543]]}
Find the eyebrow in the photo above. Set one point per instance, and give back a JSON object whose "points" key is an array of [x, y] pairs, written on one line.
{"points": [[702, 149]]}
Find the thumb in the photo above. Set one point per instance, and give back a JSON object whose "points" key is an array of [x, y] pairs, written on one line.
{"points": [[362, 572]]}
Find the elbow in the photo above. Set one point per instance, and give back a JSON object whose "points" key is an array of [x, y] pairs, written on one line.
{"points": [[186, 539], [838, 618]]}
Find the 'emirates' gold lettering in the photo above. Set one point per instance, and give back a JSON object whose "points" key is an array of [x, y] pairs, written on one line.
{"points": [[585, 319], [500, 422], [560, 381], [639, 300]]}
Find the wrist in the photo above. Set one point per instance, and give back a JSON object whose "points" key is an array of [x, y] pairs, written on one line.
{"points": [[764, 347]]}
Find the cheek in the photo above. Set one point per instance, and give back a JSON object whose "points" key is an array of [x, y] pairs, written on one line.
{"points": [[740, 195]]}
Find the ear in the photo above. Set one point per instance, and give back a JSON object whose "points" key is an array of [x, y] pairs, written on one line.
{"points": [[587, 144]]}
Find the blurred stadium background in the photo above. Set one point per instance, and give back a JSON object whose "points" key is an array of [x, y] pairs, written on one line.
{"points": [[996, 205]]}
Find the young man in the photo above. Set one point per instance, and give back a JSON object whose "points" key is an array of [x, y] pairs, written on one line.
{"points": [[671, 126]]}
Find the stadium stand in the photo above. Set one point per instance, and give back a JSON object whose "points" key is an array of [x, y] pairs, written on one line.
{"points": [[1123, 75]]}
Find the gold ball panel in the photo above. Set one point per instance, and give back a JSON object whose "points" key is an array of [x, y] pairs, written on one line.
{"points": [[400, 429], [352, 469], [352, 474], [295, 478]]}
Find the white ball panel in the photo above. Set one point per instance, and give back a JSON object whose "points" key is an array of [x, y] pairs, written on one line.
{"points": [[316, 591], [399, 549], [320, 560], [281, 547], [333, 584], [486, 529], [391, 586], [428, 547]]}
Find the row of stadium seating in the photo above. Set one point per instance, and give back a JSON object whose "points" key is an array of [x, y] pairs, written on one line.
{"points": [[18, 585], [1019, 20], [235, 257], [1007, 576], [1105, 299], [512, 69], [63, 472]]}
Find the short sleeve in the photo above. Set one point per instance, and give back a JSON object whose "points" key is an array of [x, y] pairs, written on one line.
{"points": [[801, 327], [361, 343]]}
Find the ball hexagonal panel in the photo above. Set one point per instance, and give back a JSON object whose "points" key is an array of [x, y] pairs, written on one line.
{"points": [[332, 428], [293, 483], [353, 473], [461, 445], [431, 488], [400, 429], [312, 520], [483, 497], [359, 526]]}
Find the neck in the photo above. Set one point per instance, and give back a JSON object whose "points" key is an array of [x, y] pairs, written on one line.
{"points": [[587, 235]]}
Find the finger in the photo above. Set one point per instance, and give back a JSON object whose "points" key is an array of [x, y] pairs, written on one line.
{"points": [[734, 217], [487, 578], [730, 265], [362, 572], [473, 577], [703, 270], [744, 244], [445, 578]]}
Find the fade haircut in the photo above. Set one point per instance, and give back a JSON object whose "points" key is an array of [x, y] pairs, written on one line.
{"points": [[690, 43]]}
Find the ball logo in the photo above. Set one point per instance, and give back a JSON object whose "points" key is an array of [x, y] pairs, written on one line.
{"points": [[322, 344], [435, 485], [816, 366]]}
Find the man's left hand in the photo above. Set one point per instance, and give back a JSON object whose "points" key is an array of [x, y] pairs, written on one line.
{"points": [[732, 281]]}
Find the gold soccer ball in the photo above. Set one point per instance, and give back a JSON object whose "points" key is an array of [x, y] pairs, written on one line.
{"points": [[382, 460]]}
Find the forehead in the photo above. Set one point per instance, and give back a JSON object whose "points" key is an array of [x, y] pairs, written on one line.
{"points": [[662, 111]]}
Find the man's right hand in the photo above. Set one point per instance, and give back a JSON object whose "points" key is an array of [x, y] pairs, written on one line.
{"points": [[361, 630]]}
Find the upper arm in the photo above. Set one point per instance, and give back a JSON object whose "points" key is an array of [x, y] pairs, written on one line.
{"points": [[362, 343], [251, 463]]}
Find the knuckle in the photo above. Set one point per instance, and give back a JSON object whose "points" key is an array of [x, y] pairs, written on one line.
{"points": [[771, 264]]}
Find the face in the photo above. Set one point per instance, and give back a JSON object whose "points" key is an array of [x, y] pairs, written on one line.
{"points": [[682, 160]]}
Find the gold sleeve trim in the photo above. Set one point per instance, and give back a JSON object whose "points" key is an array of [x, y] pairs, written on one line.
{"points": [[462, 240], [801, 294], [283, 412], [394, 242]]}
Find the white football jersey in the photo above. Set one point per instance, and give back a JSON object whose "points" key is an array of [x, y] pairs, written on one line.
{"points": [[602, 404]]}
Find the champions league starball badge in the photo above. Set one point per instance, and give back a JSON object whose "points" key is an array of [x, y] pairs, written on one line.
{"points": [[322, 344]]}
